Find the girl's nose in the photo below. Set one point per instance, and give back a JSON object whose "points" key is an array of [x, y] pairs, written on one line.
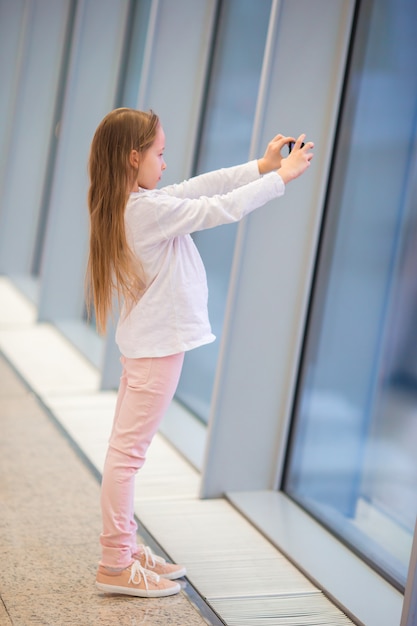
{"points": [[164, 165]]}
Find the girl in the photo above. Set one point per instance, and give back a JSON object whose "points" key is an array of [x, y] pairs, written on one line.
{"points": [[141, 249]]}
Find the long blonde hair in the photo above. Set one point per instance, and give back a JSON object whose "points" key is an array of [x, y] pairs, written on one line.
{"points": [[112, 266]]}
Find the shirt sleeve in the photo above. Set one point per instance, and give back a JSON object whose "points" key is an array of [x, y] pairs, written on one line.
{"points": [[217, 182], [181, 216]]}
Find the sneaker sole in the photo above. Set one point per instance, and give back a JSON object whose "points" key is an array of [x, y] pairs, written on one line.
{"points": [[140, 593], [174, 575]]}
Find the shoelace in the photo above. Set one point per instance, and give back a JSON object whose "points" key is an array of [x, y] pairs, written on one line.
{"points": [[150, 558], [137, 573]]}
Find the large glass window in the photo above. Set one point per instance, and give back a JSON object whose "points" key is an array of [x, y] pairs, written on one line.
{"points": [[353, 461], [225, 140]]}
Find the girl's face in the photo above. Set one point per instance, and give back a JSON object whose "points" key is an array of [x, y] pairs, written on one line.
{"points": [[152, 164]]}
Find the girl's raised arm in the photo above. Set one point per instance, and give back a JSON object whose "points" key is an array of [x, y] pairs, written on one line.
{"points": [[219, 181]]}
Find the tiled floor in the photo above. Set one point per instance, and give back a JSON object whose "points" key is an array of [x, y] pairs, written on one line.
{"points": [[50, 526]]}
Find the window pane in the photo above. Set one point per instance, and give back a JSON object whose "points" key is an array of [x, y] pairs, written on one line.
{"points": [[225, 140], [353, 460]]}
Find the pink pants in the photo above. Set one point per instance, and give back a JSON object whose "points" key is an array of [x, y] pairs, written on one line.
{"points": [[147, 387]]}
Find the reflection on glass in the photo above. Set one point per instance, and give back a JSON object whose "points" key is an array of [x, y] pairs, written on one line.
{"points": [[353, 461], [225, 140]]}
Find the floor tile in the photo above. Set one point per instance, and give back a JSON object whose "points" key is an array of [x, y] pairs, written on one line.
{"points": [[49, 529], [4, 616]]}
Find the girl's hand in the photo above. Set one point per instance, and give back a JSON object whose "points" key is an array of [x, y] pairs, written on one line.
{"points": [[272, 158], [297, 161]]}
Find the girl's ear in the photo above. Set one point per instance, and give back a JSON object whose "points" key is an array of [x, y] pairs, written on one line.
{"points": [[134, 159]]}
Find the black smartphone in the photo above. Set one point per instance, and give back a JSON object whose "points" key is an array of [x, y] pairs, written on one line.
{"points": [[291, 146]]}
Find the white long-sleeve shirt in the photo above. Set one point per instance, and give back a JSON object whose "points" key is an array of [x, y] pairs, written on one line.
{"points": [[172, 314]]}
